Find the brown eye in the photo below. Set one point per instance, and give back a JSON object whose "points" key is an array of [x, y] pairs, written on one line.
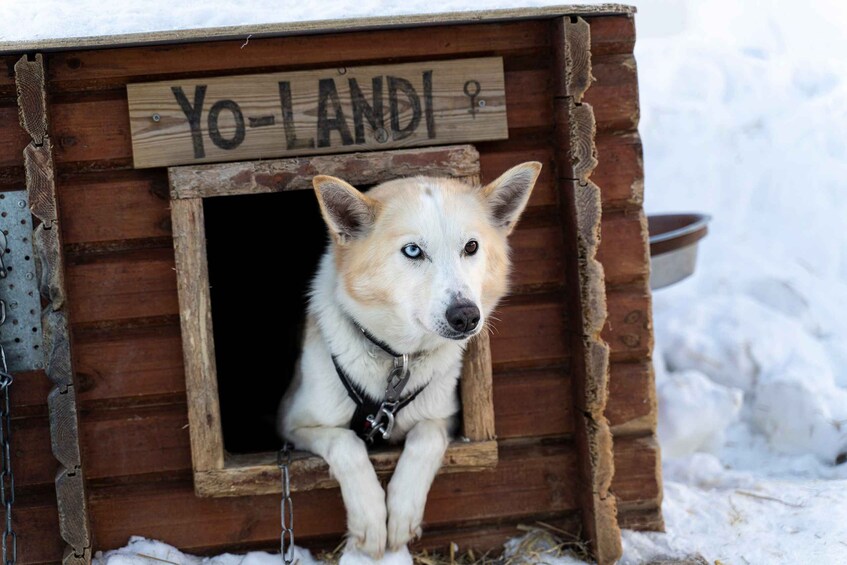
{"points": [[471, 247]]}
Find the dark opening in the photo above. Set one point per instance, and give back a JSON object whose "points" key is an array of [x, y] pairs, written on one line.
{"points": [[262, 250]]}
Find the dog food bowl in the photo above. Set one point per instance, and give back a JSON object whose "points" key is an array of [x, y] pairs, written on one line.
{"points": [[673, 246]]}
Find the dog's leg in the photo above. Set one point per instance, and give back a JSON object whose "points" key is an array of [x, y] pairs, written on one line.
{"points": [[425, 445], [363, 496]]}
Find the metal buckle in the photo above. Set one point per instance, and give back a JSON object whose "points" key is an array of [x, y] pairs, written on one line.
{"points": [[386, 411]]}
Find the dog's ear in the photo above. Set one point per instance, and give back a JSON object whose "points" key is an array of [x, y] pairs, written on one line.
{"points": [[507, 196], [347, 212]]}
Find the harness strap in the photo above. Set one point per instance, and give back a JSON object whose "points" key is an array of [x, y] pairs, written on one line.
{"points": [[365, 406]]}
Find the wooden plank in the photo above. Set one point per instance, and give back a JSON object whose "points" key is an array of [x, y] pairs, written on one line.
{"points": [[96, 69], [71, 499], [258, 474], [495, 160], [581, 209], [136, 441], [629, 327], [133, 366], [198, 341], [127, 285], [624, 249], [204, 120], [526, 334], [106, 208], [92, 132], [31, 389], [620, 171], [649, 520], [13, 138], [529, 335], [34, 463], [324, 26], [537, 259], [612, 35], [631, 408], [572, 75], [534, 403], [36, 523], [476, 390], [539, 478], [614, 95], [257, 177], [637, 482], [32, 104]]}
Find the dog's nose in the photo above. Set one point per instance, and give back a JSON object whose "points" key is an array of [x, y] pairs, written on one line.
{"points": [[462, 316]]}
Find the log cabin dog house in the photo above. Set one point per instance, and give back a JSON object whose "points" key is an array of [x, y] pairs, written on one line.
{"points": [[150, 180]]}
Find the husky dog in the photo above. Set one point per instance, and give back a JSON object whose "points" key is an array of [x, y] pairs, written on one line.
{"points": [[414, 268]]}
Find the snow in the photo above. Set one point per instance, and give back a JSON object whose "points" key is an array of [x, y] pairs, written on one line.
{"points": [[744, 109]]}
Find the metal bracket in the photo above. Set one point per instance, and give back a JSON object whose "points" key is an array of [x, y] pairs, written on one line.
{"points": [[21, 334]]}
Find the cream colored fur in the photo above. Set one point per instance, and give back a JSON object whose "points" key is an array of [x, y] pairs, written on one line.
{"points": [[402, 302]]}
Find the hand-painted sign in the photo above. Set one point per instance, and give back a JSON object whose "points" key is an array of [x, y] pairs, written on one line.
{"points": [[314, 112]]}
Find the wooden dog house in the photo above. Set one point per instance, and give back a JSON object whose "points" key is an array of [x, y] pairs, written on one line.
{"points": [[118, 431]]}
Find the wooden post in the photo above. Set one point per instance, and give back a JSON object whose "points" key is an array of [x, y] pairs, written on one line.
{"points": [[581, 205], [64, 419]]}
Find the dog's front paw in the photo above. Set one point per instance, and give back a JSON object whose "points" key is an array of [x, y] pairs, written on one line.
{"points": [[353, 556], [404, 521], [366, 527]]}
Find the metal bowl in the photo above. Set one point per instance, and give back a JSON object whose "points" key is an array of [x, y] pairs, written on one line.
{"points": [[673, 246]]}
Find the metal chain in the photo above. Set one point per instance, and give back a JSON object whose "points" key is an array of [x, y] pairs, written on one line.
{"points": [[286, 507], [7, 478]]}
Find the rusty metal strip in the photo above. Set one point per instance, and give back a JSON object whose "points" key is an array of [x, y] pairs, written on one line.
{"points": [[71, 496]]}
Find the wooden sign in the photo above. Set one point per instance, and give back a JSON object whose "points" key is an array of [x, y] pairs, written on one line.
{"points": [[314, 112]]}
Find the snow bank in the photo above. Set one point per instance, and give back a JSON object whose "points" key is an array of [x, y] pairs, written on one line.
{"points": [[141, 551]]}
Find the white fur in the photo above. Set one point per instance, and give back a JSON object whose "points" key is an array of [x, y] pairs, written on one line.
{"points": [[410, 317]]}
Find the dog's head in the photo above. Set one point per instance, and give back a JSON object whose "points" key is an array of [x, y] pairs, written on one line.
{"points": [[423, 259]]}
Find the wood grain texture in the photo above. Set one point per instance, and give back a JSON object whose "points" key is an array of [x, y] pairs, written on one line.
{"points": [[258, 474], [32, 104], [533, 403], [256, 177], [72, 502], [115, 207], [620, 171], [612, 35], [614, 94], [123, 286], [624, 249], [64, 424], [476, 390], [574, 78], [629, 327], [631, 409], [73, 511], [539, 478], [247, 116], [207, 452], [638, 486], [582, 205], [92, 132], [322, 26]]}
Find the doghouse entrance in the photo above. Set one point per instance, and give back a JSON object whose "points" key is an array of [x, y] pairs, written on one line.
{"points": [[262, 250], [241, 320]]}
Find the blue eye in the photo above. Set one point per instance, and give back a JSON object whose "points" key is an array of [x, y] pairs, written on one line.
{"points": [[412, 251]]}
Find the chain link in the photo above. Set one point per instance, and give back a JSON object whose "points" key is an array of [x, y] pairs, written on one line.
{"points": [[7, 478], [286, 507]]}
